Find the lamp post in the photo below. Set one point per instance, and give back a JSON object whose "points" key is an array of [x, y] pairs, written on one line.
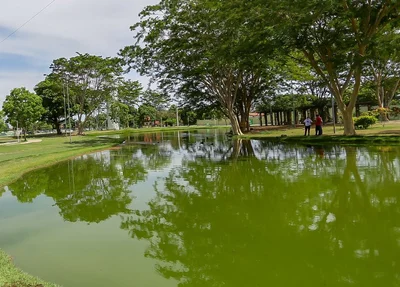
{"points": [[17, 132], [65, 111], [294, 112], [177, 116], [270, 110], [69, 113], [333, 114], [65, 107]]}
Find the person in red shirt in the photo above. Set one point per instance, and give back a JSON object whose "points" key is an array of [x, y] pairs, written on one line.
{"points": [[318, 126]]}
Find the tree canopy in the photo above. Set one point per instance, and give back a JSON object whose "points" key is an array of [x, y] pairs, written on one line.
{"points": [[23, 108], [93, 81], [232, 53], [3, 125]]}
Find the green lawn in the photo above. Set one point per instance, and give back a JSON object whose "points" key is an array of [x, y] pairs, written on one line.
{"points": [[10, 276]]}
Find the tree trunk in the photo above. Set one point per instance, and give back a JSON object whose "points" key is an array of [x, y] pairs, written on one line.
{"points": [[260, 117], [271, 115], [336, 114], [312, 114], [234, 124], [266, 119], [358, 112], [80, 128], [383, 115], [247, 121], [348, 122], [304, 114], [59, 132], [243, 124], [329, 114], [288, 116]]}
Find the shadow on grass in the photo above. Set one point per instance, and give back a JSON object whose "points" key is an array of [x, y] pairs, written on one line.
{"points": [[397, 132]]}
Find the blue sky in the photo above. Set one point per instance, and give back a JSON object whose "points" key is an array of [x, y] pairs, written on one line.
{"points": [[14, 63], [98, 27]]}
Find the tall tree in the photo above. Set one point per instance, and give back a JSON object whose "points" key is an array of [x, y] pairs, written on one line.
{"points": [[335, 37], [92, 78], [52, 91], [145, 114], [204, 47], [123, 105], [23, 108], [383, 67]]}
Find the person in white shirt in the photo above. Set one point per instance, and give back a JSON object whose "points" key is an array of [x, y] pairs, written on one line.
{"points": [[307, 126]]}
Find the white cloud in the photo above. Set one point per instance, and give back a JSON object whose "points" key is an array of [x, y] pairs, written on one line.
{"points": [[87, 26]]}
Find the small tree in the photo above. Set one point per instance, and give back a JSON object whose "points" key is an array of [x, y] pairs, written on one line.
{"points": [[145, 114], [120, 113], [3, 125], [23, 108]]}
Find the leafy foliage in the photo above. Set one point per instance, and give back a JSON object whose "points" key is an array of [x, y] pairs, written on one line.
{"points": [[194, 50], [92, 79], [23, 108], [365, 122], [52, 91], [3, 125], [373, 113]]}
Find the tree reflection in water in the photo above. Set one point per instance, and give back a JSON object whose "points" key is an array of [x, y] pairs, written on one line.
{"points": [[242, 213], [267, 214], [91, 188]]}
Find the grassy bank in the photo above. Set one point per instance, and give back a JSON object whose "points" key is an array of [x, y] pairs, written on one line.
{"points": [[17, 159], [377, 134], [11, 276]]}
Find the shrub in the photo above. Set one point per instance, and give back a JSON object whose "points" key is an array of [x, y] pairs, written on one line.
{"points": [[364, 122], [395, 111], [374, 113]]}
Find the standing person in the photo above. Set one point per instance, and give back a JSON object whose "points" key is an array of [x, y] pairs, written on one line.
{"points": [[307, 125], [318, 126]]}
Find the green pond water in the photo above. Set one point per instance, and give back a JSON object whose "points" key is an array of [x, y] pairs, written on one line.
{"points": [[198, 209]]}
